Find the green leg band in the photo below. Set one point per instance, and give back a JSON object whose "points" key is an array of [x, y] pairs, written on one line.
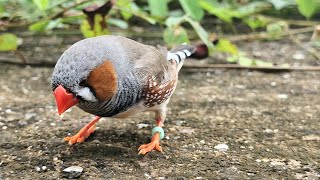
{"points": [[159, 130]]}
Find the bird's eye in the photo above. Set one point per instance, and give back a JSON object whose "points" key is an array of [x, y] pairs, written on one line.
{"points": [[83, 83]]}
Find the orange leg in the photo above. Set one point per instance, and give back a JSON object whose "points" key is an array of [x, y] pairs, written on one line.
{"points": [[154, 144], [83, 133]]}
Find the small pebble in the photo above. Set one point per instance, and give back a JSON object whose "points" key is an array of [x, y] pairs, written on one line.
{"points": [[73, 169], [298, 56], [72, 172], [311, 137], [36, 78], [44, 168], [239, 86], [186, 130], [147, 175], [22, 123], [221, 147], [38, 168], [286, 76], [202, 142], [273, 83], [9, 111], [176, 137], [268, 131], [179, 123], [277, 163], [282, 96], [258, 160], [4, 127], [140, 126], [28, 116]]}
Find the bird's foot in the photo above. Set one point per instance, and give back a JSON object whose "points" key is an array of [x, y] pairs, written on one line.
{"points": [[83, 133], [80, 136], [154, 144]]}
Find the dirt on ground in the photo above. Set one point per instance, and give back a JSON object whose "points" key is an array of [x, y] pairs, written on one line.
{"points": [[223, 124]]}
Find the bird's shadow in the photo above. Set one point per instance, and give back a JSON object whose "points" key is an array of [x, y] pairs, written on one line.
{"points": [[108, 144]]}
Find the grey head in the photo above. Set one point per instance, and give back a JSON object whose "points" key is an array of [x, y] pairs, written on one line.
{"points": [[74, 66], [76, 63]]}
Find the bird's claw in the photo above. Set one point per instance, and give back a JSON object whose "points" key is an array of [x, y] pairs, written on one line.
{"points": [[154, 144], [80, 136]]}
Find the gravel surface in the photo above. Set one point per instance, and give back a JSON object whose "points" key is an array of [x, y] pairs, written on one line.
{"points": [[226, 124]]}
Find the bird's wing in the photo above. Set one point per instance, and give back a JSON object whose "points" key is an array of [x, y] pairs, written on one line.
{"points": [[154, 66]]}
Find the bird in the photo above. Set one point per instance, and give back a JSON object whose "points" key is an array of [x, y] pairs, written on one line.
{"points": [[117, 77]]}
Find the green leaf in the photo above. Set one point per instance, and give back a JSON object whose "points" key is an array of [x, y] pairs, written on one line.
{"points": [[308, 7], [176, 13], [118, 22], [2, 9], [277, 28], [54, 24], [280, 4], [215, 8], [158, 8], [129, 8], [135, 10], [41, 4], [192, 8], [250, 8], [246, 61], [39, 26], [225, 45], [86, 29], [123, 3], [97, 28], [175, 36], [263, 63], [255, 22], [8, 42], [174, 21], [125, 8], [202, 33]]}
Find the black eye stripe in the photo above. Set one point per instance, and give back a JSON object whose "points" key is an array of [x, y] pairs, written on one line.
{"points": [[92, 90]]}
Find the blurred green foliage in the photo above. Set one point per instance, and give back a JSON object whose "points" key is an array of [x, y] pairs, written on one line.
{"points": [[176, 16]]}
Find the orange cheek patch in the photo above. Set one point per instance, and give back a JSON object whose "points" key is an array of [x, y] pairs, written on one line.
{"points": [[103, 80]]}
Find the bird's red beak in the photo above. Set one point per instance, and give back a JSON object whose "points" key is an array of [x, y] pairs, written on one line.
{"points": [[64, 99]]}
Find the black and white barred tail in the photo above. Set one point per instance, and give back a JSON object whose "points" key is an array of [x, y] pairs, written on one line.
{"points": [[180, 53]]}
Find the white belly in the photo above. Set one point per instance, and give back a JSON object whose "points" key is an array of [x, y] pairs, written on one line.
{"points": [[140, 108], [131, 111]]}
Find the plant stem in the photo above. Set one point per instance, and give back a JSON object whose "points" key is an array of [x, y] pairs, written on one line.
{"points": [[310, 50], [211, 67], [292, 22], [264, 35]]}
